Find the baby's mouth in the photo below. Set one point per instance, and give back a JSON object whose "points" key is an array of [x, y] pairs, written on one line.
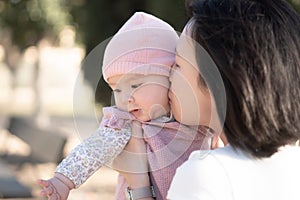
{"points": [[134, 111]]}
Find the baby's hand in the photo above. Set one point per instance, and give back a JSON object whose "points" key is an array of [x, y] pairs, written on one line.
{"points": [[54, 188]]}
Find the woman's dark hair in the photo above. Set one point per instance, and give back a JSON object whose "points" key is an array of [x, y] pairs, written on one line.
{"points": [[256, 47]]}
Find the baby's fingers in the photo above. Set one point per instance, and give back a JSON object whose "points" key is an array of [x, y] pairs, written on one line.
{"points": [[47, 191], [43, 183]]}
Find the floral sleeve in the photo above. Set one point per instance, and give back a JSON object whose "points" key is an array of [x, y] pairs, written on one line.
{"points": [[99, 149]]}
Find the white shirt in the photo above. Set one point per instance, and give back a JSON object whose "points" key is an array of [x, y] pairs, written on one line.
{"points": [[228, 174]]}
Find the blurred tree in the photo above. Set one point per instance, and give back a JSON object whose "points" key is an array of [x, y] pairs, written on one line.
{"points": [[30, 20], [295, 4], [96, 20]]}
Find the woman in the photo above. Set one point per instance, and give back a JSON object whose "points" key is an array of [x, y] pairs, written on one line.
{"points": [[255, 45]]}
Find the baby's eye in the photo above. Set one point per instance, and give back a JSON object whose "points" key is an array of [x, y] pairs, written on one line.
{"points": [[136, 85], [116, 90]]}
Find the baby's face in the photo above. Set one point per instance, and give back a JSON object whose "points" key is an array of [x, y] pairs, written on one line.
{"points": [[144, 96]]}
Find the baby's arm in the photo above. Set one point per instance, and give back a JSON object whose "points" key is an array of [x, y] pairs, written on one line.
{"points": [[99, 149], [94, 152]]}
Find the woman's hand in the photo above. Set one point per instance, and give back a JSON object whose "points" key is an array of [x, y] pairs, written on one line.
{"points": [[132, 163]]}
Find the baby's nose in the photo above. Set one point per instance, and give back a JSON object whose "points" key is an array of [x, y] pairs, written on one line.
{"points": [[128, 98]]}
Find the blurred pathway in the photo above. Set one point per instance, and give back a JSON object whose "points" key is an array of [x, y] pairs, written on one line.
{"points": [[100, 186]]}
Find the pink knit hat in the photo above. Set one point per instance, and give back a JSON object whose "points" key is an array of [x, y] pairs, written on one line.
{"points": [[144, 45]]}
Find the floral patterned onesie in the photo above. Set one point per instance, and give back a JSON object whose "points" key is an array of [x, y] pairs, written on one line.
{"points": [[99, 149]]}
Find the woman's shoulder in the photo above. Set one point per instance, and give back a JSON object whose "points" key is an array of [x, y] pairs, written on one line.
{"points": [[215, 164], [204, 174], [204, 161], [227, 169], [210, 156]]}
